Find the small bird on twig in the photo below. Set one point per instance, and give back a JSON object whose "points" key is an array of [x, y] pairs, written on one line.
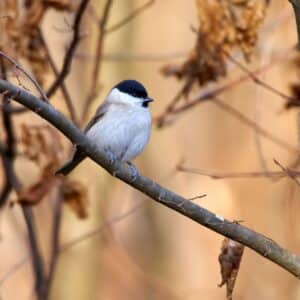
{"points": [[121, 126]]}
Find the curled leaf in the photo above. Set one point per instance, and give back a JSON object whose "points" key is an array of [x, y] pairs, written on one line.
{"points": [[74, 194], [229, 259]]}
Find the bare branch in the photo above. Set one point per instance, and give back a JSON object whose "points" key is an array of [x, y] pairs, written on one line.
{"points": [[63, 87], [258, 80], [12, 182], [237, 175], [259, 243], [248, 122], [130, 17], [33, 80], [207, 95], [70, 52], [98, 59]]}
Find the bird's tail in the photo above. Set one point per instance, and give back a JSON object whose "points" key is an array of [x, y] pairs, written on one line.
{"points": [[71, 164]]}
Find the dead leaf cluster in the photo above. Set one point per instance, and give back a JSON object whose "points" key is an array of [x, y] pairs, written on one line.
{"points": [[20, 22], [224, 25], [41, 145]]}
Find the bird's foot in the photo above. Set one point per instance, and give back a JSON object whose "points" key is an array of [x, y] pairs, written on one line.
{"points": [[110, 155], [134, 172], [113, 161]]}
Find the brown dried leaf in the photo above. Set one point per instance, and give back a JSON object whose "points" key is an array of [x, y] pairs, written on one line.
{"points": [[74, 193], [225, 25], [19, 29], [41, 144], [36, 192], [229, 259]]}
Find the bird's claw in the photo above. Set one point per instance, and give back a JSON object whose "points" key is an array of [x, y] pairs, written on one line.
{"points": [[133, 170], [113, 161], [111, 157]]}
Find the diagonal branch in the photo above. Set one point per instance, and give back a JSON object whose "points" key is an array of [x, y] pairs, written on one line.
{"points": [[259, 243], [130, 17]]}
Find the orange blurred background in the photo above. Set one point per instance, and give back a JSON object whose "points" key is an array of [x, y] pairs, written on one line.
{"points": [[155, 253]]}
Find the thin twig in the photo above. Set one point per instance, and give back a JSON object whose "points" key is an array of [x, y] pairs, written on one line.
{"points": [[57, 214], [136, 57], [248, 122], [63, 87], [108, 223], [266, 247], [162, 119], [71, 51], [130, 17], [33, 80], [90, 234], [13, 182], [257, 80], [13, 270], [237, 175], [291, 174], [98, 59]]}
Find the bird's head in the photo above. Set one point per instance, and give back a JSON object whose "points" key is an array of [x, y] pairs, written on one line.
{"points": [[129, 92]]}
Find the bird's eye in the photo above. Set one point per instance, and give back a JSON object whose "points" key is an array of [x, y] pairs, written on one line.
{"points": [[145, 103]]}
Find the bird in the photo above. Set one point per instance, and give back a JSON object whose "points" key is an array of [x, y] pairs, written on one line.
{"points": [[121, 126]]}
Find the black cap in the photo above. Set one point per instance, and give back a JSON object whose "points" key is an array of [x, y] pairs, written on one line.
{"points": [[133, 88]]}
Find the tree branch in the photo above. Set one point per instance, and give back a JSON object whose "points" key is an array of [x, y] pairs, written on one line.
{"points": [[71, 51], [259, 243], [296, 6]]}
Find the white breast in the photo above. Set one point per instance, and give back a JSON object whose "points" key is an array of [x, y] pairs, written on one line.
{"points": [[122, 130]]}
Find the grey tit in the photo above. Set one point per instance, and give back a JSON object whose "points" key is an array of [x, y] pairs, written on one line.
{"points": [[121, 125]]}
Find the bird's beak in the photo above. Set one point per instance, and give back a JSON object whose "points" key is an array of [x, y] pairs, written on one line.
{"points": [[149, 99]]}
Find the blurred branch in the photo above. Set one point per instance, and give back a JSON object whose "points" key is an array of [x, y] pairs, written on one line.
{"points": [[33, 80], [248, 122], [98, 59], [37, 260], [238, 175], [101, 228], [54, 242], [258, 81], [296, 7], [8, 150], [12, 182], [71, 51], [259, 243], [130, 17], [208, 95], [107, 224], [63, 87], [290, 173], [136, 57]]}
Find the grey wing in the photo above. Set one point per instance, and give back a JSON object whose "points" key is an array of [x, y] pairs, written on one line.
{"points": [[100, 112]]}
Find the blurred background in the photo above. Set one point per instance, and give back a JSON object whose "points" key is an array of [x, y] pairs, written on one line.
{"points": [[144, 250]]}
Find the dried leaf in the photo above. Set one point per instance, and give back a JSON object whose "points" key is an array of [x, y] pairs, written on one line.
{"points": [[75, 194], [225, 25], [41, 144], [19, 29], [229, 259], [36, 192]]}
